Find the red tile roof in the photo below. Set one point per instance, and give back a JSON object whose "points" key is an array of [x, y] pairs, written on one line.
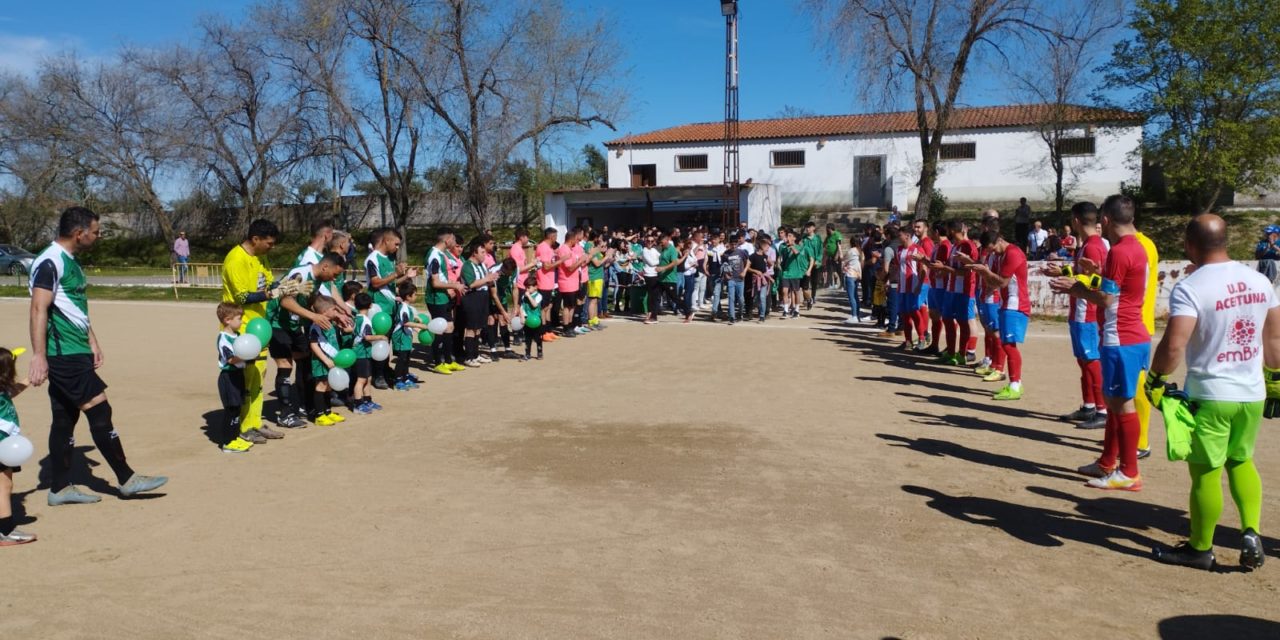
{"points": [[964, 118]]}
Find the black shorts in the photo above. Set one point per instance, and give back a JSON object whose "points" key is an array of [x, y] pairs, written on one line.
{"points": [[804, 282], [284, 344], [793, 284], [624, 279], [441, 311], [475, 309], [363, 368], [231, 388], [73, 380], [546, 297]]}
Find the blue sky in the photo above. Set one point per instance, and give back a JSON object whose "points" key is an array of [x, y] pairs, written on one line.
{"points": [[673, 50]]}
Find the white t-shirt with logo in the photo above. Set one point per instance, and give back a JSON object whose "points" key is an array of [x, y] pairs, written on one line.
{"points": [[1224, 355]]}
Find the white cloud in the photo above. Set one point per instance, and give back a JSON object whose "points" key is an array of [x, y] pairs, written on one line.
{"points": [[22, 54]]}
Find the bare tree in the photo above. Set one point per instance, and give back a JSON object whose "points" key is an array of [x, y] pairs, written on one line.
{"points": [[927, 44], [344, 49], [117, 125], [499, 75], [35, 157], [1058, 72], [244, 122]]}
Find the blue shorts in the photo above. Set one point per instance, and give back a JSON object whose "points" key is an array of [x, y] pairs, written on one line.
{"points": [[1120, 369], [1013, 326], [1084, 340], [935, 298], [989, 314], [908, 302], [961, 307]]}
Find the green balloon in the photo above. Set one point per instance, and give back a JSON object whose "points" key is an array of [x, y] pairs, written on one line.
{"points": [[345, 359], [422, 317], [425, 338], [381, 323], [533, 320], [260, 328]]}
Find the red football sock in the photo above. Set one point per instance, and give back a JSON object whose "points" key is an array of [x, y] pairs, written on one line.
{"points": [[1086, 383], [1110, 443], [908, 320], [997, 362], [951, 336], [1128, 439], [922, 321], [936, 333], [970, 343], [1095, 380], [1014, 357]]}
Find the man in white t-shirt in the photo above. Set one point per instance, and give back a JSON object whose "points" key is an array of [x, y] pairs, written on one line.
{"points": [[1224, 319]]}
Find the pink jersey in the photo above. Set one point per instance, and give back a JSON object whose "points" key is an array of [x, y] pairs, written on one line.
{"points": [[963, 281], [909, 276], [517, 254], [546, 255], [454, 265], [569, 277], [1125, 278], [941, 253], [1013, 265], [1096, 250]]}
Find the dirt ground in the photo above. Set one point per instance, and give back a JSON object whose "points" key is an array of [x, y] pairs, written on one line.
{"points": [[793, 480]]}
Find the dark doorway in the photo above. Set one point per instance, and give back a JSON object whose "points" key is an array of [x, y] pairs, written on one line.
{"points": [[869, 181], [644, 175]]}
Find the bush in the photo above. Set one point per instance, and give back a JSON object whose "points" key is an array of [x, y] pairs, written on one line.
{"points": [[937, 205]]}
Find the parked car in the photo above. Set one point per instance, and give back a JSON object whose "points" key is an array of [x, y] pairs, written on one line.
{"points": [[15, 260]]}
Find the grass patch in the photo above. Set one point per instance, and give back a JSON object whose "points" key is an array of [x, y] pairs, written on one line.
{"points": [[130, 293]]}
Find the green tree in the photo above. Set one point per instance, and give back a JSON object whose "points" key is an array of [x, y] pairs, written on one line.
{"points": [[597, 165], [1207, 76]]}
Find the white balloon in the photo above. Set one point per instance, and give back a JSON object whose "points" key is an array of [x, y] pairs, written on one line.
{"points": [[381, 350], [517, 323], [15, 450], [437, 325], [247, 347], [338, 379]]}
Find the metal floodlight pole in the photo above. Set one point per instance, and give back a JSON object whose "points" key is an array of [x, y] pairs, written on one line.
{"points": [[729, 9]]}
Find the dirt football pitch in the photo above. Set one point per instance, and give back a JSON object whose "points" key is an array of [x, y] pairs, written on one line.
{"points": [[797, 479]]}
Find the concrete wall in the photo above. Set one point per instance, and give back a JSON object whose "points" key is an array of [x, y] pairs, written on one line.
{"points": [[1011, 163]]}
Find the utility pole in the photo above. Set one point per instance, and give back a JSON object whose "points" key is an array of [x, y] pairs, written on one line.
{"points": [[729, 9]]}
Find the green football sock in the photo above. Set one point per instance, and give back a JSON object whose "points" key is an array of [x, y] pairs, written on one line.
{"points": [[1206, 504], [1246, 489]]}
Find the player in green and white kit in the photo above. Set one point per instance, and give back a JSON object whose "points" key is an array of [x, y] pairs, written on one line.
{"points": [[384, 275], [9, 387], [66, 354]]}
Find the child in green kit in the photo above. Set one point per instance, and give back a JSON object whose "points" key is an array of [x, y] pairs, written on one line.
{"points": [[9, 388], [324, 346], [363, 346], [404, 330], [231, 389]]}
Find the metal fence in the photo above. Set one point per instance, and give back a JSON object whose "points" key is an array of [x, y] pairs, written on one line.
{"points": [[200, 275]]}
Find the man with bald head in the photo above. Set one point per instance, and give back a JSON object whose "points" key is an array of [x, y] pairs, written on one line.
{"points": [[1224, 321]]}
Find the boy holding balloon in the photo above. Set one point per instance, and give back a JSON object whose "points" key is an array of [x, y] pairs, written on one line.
{"points": [[370, 346], [14, 448], [406, 325], [231, 389], [324, 349]]}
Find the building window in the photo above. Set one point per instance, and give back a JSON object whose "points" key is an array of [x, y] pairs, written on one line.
{"points": [[696, 162], [1084, 146], [959, 151], [787, 158]]}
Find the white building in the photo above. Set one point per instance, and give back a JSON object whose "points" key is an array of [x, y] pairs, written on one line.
{"points": [[990, 154]]}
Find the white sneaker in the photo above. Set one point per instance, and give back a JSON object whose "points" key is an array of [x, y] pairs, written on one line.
{"points": [[1117, 481], [852, 320], [473, 364], [483, 359]]}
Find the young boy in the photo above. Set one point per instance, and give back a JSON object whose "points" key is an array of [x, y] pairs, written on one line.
{"points": [[402, 334], [10, 388], [363, 344], [230, 379], [529, 306], [324, 346]]}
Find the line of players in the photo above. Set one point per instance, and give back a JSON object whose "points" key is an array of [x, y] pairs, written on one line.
{"points": [[949, 285]]}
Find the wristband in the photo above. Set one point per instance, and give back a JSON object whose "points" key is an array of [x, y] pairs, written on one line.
{"points": [[1068, 271], [1092, 282], [1271, 375]]}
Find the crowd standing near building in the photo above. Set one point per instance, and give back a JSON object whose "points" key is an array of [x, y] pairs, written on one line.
{"points": [[335, 340]]}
